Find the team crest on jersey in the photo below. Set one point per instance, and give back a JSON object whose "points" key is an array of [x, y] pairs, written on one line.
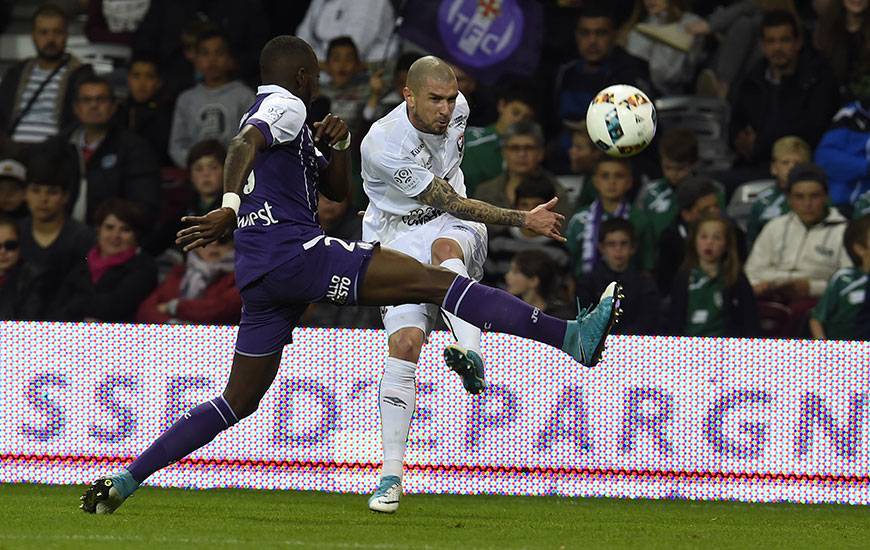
{"points": [[460, 143]]}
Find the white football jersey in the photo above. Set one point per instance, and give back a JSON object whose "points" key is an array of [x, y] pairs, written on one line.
{"points": [[399, 162]]}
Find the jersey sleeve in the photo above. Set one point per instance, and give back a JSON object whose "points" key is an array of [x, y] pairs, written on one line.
{"points": [[279, 119], [401, 172], [828, 302]]}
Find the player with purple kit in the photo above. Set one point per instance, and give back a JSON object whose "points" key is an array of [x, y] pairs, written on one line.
{"points": [[274, 170]]}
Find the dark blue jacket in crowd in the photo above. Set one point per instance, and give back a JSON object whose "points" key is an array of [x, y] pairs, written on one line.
{"points": [[844, 153]]}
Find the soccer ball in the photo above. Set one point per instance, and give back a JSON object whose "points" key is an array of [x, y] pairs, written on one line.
{"points": [[621, 120]]}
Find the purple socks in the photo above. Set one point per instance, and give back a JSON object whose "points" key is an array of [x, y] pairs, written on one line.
{"points": [[190, 432], [492, 309]]}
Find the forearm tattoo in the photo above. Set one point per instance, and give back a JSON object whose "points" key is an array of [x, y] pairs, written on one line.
{"points": [[442, 196]]}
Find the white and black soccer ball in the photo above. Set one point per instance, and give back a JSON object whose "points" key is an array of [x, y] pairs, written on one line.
{"points": [[621, 120]]}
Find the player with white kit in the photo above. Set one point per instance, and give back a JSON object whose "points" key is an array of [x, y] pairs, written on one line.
{"points": [[410, 168]]}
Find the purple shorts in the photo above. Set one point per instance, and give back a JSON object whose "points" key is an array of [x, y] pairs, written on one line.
{"points": [[328, 270]]}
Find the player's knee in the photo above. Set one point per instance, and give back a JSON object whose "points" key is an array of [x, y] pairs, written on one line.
{"points": [[444, 249], [406, 344]]}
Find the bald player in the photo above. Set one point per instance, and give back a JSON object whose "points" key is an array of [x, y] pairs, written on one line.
{"points": [[274, 170], [417, 205]]}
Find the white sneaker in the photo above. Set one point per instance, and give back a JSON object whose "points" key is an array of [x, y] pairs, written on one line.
{"points": [[386, 498]]}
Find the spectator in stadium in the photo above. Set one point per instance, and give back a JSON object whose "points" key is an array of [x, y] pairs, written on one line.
{"points": [[114, 21], [12, 178], [843, 151], [678, 155], [22, 285], [695, 197], [482, 159], [600, 64], [161, 34], [711, 295], [146, 112], [843, 35], [50, 240], [797, 253], [211, 109], [370, 24], [534, 278], [36, 94], [348, 88], [394, 96], [788, 152], [613, 179], [106, 161], [617, 245], [671, 69], [835, 316], [505, 242], [734, 27], [115, 277], [201, 291], [523, 152], [205, 166], [583, 157], [338, 220], [790, 92]]}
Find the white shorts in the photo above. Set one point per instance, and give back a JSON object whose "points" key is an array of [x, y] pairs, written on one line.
{"points": [[470, 236]]}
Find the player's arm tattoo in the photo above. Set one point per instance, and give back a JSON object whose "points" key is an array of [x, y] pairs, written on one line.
{"points": [[442, 196]]}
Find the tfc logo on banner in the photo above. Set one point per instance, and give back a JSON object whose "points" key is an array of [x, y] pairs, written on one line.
{"points": [[660, 418]]}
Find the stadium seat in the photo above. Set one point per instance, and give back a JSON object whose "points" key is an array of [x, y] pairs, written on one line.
{"points": [[742, 199], [708, 118]]}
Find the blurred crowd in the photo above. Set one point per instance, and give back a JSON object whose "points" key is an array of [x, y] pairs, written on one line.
{"points": [[758, 227]]}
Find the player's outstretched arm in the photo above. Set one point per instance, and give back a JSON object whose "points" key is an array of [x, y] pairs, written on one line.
{"points": [[541, 220], [241, 154]]}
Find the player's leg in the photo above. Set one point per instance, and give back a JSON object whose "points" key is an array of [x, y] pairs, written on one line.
{"points": [[464, 357], [394, 278], [268, 318], [250, 377], [397, 400]]}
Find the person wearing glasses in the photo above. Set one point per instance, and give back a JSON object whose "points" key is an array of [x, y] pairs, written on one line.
{"points": [[21, 284], [522, 148], [108, 161]]}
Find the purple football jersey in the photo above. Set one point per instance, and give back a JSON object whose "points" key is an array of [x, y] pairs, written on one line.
{"points": [[279, 201]]}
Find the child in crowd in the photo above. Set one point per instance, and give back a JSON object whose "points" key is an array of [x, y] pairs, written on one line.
{"points": [[613, 179], [202, 291], [678, 153], [145, 112], [50, 239], [505, 242], [12, 178], [711, 296], [583, 156], [205, 166], [617, 245], [835, 316], [348, 89], [534, 278], [213, 108], [787, 152]]}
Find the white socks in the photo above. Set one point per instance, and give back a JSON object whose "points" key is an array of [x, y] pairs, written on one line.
{"points": [[396, 399], [467, 335]]}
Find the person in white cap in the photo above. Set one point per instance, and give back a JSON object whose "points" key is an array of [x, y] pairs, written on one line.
{"points": [[12, 178]]}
